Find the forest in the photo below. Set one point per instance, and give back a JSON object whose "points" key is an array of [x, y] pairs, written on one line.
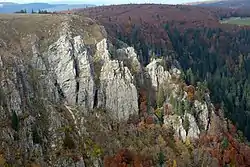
{"points": [[196, 112], [208, 51], [221, 60]]}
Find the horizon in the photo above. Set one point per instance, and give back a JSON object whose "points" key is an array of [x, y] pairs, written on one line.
{"points": [[103, 2]]}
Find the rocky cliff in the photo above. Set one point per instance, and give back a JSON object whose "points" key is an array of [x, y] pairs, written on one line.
{"points": [[189, 117], [62, 90], [48, 69]]}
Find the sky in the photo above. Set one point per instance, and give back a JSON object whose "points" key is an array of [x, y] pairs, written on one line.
{"points": [[99, 2]]}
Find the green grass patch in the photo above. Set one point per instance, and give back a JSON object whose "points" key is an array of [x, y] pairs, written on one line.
{"points": [[237, 21]]}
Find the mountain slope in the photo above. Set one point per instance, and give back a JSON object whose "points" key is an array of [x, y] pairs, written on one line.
{"points": [[57, 66], [74, 94], [66, 101], [193, 36]]}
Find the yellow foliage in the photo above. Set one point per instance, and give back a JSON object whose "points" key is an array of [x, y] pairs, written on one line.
{"points": [[174, 163], [65, 129], [2, 160], [94, 149], [160, 140], [232, 164], [34, 165], [190, 96], [97, 151], [189, 144], [159, 112]]}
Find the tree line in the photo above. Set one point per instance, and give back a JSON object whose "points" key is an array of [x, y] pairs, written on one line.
{"points": [[34, 12]]}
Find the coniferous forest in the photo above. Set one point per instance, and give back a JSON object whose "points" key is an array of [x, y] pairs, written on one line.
{"points": [[215, 54]]}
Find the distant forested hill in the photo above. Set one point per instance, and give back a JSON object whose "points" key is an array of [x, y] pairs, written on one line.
{"points": [[227, 4]]}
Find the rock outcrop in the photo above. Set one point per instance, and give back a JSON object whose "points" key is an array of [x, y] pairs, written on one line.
{"points": [[157, 73], [117, 91], [185, 124], [70, 62], [48, 85]]}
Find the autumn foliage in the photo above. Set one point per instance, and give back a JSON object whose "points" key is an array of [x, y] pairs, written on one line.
{"points": [[226, 149], [143, 101], [190, 92], [146, 23], [148, 20], [126, 158], [149, 120]]}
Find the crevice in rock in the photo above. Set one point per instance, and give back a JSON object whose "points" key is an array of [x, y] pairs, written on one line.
{"points": [[20, 84], [59, 90], [95, 99], [158, 83], [76, 68], [209, 118], [182, 124], [209, 106]]}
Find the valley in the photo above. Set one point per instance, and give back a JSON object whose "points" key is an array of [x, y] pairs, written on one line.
{"points": [[135, 85]]}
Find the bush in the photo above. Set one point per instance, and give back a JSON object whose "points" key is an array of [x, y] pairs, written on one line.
{"points": [[68, 142]]}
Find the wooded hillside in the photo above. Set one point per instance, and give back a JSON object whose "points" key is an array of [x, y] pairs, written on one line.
{"points": [[216, 54]]}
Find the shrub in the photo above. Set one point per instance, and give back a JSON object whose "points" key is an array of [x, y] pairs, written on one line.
{"points": [[68, 142]]}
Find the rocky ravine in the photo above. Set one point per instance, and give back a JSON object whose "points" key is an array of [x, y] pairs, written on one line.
{"points": [[56, 71]]}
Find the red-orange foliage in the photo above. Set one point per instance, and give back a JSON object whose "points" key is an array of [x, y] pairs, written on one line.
{"points": [[149, 120], [125, 158], [232, 129], [235, 153], [151, 18], [190, 91], [167, 109], [143, 102]]}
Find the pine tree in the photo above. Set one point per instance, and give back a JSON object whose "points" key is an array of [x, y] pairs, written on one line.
{"points": [[161, 158], [160, 97], [14, 121], [190, 77], [186, 123]]}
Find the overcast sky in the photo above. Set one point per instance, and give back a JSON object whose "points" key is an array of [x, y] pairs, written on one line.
{"points": [[104, 1]]}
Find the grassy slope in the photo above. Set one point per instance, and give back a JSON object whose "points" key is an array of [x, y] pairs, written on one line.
{"points": [[16, 30], [237, 21]]}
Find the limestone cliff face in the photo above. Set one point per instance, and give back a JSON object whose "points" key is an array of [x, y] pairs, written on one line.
{"points": [[188, 122], [70, 63], [117, 91], [43, 82], [157, 73]]}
